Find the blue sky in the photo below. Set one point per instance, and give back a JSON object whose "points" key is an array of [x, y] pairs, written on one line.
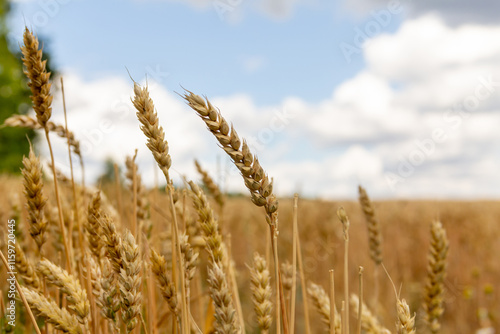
{"points": [[398, 96], [267, 57]]}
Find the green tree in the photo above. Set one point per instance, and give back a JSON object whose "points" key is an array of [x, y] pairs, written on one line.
{"points": [[14, 99]]}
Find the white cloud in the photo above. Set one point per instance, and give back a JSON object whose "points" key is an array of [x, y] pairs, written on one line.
{"points": [[233, 9], [252, 64], [367, 129]]}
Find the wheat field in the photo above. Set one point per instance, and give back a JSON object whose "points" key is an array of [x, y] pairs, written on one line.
{"points": [[120, 257]]}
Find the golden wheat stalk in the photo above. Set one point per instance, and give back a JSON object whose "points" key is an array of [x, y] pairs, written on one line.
{"points": [[158, 146], [60, 318], [256, 179], [369, 322], [35, 70], [25, 121], [141, 203], [165, 283], [76, 296], [436, 271], [146, 114], [254, 176], [33, 190], [38, 78], [374, 235], [130, 282], [261, 292], [322, 305], [209, 183], [93, 227], [406, 322]]}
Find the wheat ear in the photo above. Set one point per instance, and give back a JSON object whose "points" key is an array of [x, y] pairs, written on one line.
{"points": [[167, 287], [322, 304], [406, 322], [261, 292], [157, 144], [256, 179], [254, 176], [217, 280], [113, 242], [76, 296], [26, 269], [33, 190], [35, 70], [38, 78], [209, 183], [93, 227], [107, 294], [436, 271], [25, 121], [369, 323], [141, 203], [60, 318], [374, 235], [130, 282]]}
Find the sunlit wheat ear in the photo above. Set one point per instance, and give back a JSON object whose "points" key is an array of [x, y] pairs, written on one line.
{"points": [[155, 135], [436, 271], [406, 322], [261, 292], [26, 269], [33, 186], [130, 282], [217, 280], [165, 283], [142, 205], [256, 179], [190, 257], [369, 323], [113, 242], [321, 303], [374, 235], [209, 183], [225, 313], [35, 70], [94, 230], [76, 296], [25, 121], [208, 223], [60, 318]]}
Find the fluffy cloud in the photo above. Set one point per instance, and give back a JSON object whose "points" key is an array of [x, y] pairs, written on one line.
{"points": [[233, 9], [453, 13], [419, 120]]}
